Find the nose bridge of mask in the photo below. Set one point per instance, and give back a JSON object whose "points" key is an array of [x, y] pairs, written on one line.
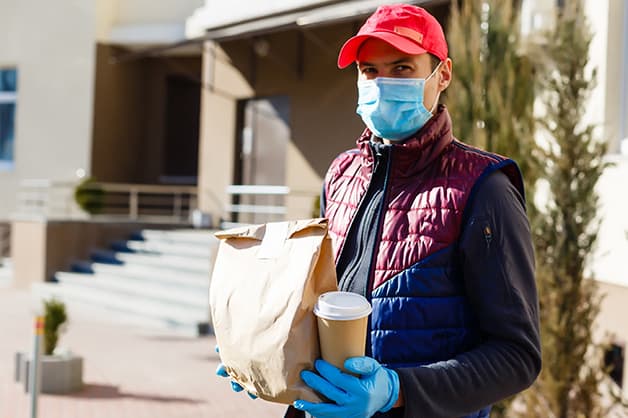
{"points": [[400, 89]]}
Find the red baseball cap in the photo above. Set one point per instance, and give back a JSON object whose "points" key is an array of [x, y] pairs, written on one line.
{"points": [[410, 29]]}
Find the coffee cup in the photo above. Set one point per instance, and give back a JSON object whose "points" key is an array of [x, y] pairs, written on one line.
{"points": [[342, 325]]}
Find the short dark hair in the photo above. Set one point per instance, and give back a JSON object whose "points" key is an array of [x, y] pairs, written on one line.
{"points": [[434, 61]]}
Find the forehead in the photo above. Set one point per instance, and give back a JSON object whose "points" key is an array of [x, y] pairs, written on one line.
{"points": [[375, 50]]}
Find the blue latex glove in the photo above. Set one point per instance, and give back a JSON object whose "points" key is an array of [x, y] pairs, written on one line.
{"points": [[221, 371], [375, 390]]}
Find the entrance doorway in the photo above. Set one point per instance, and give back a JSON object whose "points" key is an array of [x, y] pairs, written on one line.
{"points": [[261, 148], [180, 158]]}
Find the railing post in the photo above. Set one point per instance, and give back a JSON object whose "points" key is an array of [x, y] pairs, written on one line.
{"points": [[133, 203], [69, 198], [178, 204], [44, 201]]}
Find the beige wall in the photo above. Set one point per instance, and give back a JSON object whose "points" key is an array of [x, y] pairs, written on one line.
{"points": [[223, 85], [28, 252], [51, 44], [322, 99], [608, 261], [611, 323], [150, 17], [614, 74], [142, 11]]}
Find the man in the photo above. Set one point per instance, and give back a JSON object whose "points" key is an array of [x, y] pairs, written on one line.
{"points": [[434, 233]]}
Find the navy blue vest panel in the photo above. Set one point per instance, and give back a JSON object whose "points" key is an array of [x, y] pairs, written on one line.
{"points": [[421, 315]]}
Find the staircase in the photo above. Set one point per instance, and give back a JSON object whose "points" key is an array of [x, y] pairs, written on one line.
{"points": [[156, 279]]}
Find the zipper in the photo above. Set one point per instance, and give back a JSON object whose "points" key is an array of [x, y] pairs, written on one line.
{"points": [[488, 235], [382, 212], [366, 192], [371, 277]]}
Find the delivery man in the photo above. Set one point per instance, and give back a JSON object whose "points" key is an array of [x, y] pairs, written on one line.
{"points": [[434, 233]]}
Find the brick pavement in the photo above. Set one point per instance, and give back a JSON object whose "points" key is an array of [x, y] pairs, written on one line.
{"points": [[128, 373]]}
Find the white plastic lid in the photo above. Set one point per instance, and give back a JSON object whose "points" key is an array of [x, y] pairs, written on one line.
{"points": [[342, 306]]}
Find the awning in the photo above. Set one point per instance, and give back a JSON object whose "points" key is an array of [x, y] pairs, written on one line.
{"points": [[316, 16], [138, 34]]}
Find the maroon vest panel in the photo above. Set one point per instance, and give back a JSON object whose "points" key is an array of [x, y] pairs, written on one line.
{"points": [[429, 182]]}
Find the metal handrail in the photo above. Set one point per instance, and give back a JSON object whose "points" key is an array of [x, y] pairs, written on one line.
{"points": [[43, 197], [254, 210], [135, 190]]}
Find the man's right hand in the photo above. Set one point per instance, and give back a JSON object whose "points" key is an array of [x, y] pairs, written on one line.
{"points": [[222, 372]]}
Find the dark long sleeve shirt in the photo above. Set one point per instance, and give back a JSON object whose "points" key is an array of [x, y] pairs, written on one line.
{"points": [[498, 266], [497, 259]]}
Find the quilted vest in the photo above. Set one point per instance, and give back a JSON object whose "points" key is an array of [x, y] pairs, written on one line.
{"points": [[420, 312]]}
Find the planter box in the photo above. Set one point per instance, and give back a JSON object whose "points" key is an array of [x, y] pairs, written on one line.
{"points": [[59, 373]]}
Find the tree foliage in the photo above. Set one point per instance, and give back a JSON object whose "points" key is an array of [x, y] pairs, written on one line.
{"points": [[496, 81], [573, 374], [491, 97]]}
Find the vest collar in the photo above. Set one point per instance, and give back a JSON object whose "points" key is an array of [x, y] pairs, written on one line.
{"points": [[418, 151]]}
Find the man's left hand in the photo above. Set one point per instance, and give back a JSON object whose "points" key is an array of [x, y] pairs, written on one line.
{"points": [[376, 389]]}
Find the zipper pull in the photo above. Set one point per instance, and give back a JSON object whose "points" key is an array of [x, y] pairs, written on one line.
{"points": [[488, 235]]}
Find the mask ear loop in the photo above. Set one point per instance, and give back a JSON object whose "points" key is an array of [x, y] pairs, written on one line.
{"points": [[438, 95]]}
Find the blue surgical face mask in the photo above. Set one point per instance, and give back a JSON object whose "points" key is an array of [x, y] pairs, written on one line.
{"points": [[392, 108]]}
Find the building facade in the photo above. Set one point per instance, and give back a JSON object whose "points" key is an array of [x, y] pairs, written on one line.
{"points": [[70, 103], [214, 94]]}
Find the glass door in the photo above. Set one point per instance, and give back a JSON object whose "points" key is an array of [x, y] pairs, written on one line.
{"points": [[264, 135]]}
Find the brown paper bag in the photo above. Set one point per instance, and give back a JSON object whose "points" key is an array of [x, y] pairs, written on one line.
{"points": [[265, 284]]}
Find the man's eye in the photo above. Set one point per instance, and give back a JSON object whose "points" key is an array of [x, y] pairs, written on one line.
{"points": [[369, 70], [402, 68]]}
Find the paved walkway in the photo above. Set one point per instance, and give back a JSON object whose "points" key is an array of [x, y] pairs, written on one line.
{"points": [[128, 373]]}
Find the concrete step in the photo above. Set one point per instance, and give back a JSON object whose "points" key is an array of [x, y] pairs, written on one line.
{"points": [[148, 274], [105, 256], [158, 277], [82, 267], [180, 236], [6, 273], [144, 312], [165, 247], [174, 263], [185, 296], [121, 246]]}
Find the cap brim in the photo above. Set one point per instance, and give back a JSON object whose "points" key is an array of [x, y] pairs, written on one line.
{"points": [[349, 51]]}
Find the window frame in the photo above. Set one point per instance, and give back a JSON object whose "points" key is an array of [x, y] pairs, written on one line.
{"points": [[10, 97]]}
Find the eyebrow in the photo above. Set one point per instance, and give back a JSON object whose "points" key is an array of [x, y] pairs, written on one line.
{"points": [[397, 62]]}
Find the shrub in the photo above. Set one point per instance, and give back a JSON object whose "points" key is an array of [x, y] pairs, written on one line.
{"points": [[89, 196], [55, 316]]}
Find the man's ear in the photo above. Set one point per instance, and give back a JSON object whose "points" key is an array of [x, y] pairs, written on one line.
{"points": [[445, 72]]}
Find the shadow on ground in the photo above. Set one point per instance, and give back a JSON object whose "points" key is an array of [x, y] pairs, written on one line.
{"points": [[97, 391]]}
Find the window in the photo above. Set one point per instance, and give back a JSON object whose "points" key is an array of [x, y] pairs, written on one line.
{"points": [[8, 100], [614, 361]]}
